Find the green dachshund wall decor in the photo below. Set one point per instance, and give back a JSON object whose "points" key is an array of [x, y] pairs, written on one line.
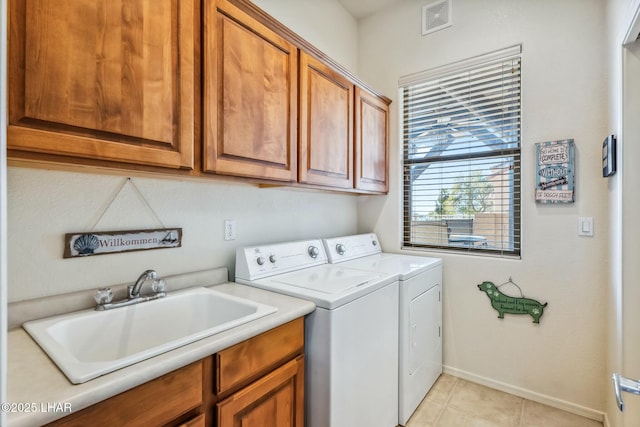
{"points": [[512, 305]]}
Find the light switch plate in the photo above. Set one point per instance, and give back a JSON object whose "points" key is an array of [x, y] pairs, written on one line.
{"points": [[585, 226]]}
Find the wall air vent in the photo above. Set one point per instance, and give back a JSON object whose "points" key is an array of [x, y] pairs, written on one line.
{"points": [[436, 16]]}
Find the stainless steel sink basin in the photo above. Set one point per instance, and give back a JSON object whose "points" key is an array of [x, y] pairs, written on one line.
{"points": [[87, 344]]}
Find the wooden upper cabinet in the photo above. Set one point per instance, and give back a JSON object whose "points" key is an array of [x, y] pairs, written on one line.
{"points": [[104, 79], [371, 145], [326, 125], [250, 96]]}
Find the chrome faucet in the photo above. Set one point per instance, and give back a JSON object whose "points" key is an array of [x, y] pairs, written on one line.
{"points": [[134, 290], [104, 296]]}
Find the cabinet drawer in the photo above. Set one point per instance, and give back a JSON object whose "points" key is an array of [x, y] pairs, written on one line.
{"points": [[154, 403], [246, 361]]}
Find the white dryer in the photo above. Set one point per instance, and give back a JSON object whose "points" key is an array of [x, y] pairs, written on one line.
{"points": [[420, 311], [351, 339]]}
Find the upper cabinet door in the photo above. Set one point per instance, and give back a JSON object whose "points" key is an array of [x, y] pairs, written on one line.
{"points": [[104, 79], [326, 125], [371, 148], [250, 96]]}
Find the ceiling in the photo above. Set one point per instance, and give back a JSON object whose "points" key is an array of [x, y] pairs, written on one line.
{"points": [[362, 8]]}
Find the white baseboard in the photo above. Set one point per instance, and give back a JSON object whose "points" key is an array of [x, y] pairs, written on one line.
{"points": [[528, 394]]}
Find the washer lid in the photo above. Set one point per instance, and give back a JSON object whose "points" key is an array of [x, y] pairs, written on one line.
{"points": [[405, 266], [329, 286], [328, 280]]}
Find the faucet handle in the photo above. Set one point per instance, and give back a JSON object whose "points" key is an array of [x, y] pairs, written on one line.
{"points": [[159, 285], [103, 296]]}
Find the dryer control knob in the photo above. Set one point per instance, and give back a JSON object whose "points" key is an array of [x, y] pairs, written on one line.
{"points": [[341, 249], [260, 260], [273, 259], [313, 251]]}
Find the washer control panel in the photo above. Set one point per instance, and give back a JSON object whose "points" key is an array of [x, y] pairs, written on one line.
{"points": [[256, 262], [351, 247]]}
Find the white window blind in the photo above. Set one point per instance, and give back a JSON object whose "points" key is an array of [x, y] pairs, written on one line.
{"points": [[461, 156]]}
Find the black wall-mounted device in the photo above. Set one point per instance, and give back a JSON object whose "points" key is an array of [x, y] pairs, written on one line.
{"points": [[609, 156]]}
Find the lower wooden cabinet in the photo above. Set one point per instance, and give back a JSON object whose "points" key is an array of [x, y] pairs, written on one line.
{"points": [[275, 400], [258, 382]]}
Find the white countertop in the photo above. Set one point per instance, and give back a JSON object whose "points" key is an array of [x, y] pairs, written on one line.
{"points": [[36, 384]]}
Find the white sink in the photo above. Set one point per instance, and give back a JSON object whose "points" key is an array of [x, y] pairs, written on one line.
{"points": [[89, 343]]}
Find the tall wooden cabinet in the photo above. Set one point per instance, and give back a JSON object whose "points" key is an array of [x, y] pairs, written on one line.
{"points": [[250, 96], [104, 79], [326, 125]]}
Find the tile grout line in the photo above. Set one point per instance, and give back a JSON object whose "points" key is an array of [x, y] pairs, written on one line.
{"points": [[447, 400], [522, 412]]}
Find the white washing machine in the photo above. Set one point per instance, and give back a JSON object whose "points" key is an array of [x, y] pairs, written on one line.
{"points": [[351, 339], [420, 321]]}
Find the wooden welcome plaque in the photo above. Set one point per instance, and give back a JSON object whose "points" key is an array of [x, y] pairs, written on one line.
{"points": [[109, 242]]}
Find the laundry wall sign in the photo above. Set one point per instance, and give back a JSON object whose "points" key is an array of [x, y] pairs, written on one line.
{"points": [[555, 172], [100, 243], [505, 304]]}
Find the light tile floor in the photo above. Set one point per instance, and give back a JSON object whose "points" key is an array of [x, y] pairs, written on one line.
{"points": [[454, 402]]}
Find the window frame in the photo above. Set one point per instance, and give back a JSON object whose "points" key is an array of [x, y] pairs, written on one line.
{"points": [[515, 191]]}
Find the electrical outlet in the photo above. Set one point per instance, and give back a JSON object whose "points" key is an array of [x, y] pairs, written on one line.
{"points": [[229, 229]]}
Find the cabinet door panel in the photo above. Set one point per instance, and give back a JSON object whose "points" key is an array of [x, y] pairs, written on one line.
{"points": [[250, 97], [371, 148], [326, 125], [114, 78], [275, 400]]}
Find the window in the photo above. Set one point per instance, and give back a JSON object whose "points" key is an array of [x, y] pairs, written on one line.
{"points": [[461, 156]]}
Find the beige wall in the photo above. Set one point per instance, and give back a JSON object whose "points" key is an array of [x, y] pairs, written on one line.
{"points": [[564, 81], [325, 23], [44, 205]]}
